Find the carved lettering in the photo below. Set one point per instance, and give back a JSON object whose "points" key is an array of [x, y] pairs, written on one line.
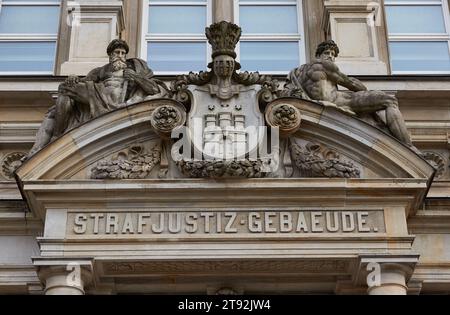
{"points": [[160, 224], [229, 227], [254, 220], [80, 224]]}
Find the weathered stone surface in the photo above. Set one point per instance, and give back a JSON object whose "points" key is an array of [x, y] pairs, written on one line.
{"points": [[224, 226]]}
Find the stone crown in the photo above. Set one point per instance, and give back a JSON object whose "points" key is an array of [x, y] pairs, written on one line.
{"points": [[223, 37]]}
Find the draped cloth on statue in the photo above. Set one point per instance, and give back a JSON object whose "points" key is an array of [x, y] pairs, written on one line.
{"points": [[91, 97]]}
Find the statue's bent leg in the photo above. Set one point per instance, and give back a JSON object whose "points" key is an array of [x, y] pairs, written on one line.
{"points": [[365, 102], [396, 124]]}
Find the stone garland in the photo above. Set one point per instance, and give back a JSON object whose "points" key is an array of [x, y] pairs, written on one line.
{"points": [[136, 164], [316, 161]]}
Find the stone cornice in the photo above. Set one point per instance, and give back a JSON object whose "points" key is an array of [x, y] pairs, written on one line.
{"points": [[266, 193]]}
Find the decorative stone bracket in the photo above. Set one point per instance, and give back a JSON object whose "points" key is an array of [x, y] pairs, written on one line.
{"points": [[93, 25]]}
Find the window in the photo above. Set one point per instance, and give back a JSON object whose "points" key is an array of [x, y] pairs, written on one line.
{"points": [[175, 40], [272, 35], [419, 36], [272, 39], [28, 35]]}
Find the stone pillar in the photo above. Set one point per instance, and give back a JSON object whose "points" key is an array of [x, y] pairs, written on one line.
{"points": [[223, 11], [358, 27], [93, 24], [392, 280], [68, 278]]}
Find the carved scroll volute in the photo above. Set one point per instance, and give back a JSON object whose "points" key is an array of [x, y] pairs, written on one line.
{"points": [[284, 116], [166, 118]]}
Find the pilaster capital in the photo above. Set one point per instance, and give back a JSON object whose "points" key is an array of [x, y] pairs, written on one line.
{"points": [[68, 275]]}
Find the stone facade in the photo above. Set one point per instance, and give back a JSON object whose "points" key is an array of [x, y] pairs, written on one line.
{"points": [[103, 209]]}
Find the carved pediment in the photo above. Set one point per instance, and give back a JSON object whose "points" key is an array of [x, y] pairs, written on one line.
{"points": [[124, 144]]}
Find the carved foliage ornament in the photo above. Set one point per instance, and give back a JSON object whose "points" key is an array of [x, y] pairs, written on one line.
{"points": [[316, 161], [135, 164], [268, 93], [11, 163], [218, 169]]}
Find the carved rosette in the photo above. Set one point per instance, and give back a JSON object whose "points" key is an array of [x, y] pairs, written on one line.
{"points": [[284, 116], [134, 164], [11, 162], [317, 161], [437, 161], [166, 118], [223, 169]]}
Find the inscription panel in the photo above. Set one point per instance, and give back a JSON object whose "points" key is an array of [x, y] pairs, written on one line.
{"points": [[223, 223]]}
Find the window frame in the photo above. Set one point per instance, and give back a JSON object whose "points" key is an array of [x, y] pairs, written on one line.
{"points": [[30, 38], [300, 37], [420, 37], [177, 38]]}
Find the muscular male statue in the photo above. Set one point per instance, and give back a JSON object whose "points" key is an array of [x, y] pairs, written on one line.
{"points": [[120, 83], [319, 81]]}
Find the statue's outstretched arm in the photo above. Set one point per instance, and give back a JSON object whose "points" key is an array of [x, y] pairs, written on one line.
{"points": [[352, 84], [143, 76]]}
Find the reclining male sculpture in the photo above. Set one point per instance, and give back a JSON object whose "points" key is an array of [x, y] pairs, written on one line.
{"points": [[319, 81], [120, 83]]}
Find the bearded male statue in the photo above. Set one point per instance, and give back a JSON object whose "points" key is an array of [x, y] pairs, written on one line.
{"points": [[120, 83]]}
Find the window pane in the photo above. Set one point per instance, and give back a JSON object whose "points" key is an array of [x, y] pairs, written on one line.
{"points": [[29, 19], [420, 56], [179, 57], [269, 19], [269, 56], [177, 19], [415, 19], [31, 56]]}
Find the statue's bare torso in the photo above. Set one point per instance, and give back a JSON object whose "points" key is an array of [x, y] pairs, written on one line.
{"points": [[320, 80], [114, 85]]}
